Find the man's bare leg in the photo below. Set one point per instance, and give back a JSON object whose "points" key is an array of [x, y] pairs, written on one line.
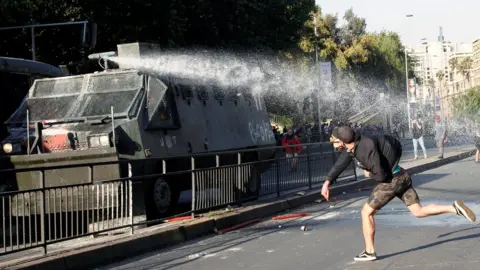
{"points": [[420, 211], [477, 155], [368, 221], [458, 208], [368, 227]]}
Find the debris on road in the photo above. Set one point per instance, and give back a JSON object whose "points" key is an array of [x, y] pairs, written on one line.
{"points": [[178, 219], [291, 216]]}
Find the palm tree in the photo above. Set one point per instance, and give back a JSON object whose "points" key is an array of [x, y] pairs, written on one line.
{"points": [[440, 75], [464, 67], [453, 64]]}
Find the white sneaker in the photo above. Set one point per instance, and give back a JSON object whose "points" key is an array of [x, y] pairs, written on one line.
{"points": [[365, 256], [463, 210]]}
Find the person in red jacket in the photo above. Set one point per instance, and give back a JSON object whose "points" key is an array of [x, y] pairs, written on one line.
{"points": [[292, 147]]}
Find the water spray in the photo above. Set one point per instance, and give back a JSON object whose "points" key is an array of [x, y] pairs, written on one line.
{"points": [[283, 83]]}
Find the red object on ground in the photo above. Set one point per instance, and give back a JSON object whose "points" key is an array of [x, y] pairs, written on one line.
{"points": [[179, 218], [241, 225], [291, 216]]}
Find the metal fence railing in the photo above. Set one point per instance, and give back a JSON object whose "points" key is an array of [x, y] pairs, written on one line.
{"points": [[47, 215]]}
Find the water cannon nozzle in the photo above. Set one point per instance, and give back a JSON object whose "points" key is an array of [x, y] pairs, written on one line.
{"points": [[102, 55]]}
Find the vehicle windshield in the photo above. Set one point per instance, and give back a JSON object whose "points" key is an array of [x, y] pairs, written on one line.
{"points": [[85, 96]]}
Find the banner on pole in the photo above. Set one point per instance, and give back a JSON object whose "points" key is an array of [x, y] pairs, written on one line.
{"points": [[326, 73]]}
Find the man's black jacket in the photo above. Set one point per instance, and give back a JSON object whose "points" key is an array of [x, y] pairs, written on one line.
{"points": [[377, 154]]}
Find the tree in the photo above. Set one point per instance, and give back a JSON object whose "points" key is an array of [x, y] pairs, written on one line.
{"points": [[239, 25], [453, 62], [468, 105], [465, 66]]}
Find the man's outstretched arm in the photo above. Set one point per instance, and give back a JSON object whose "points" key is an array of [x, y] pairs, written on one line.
{"points": [[335, 171], [340, 165]]}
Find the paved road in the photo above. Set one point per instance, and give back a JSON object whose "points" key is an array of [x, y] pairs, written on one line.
{"points": [[334, 235]]}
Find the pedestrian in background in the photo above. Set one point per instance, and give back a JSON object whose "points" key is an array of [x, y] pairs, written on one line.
{"points": [[292, 149], [417, 136], [440, 135]]}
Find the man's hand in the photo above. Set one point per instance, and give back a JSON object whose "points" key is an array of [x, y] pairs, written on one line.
{"points": [[366, 173], [325, 192]]}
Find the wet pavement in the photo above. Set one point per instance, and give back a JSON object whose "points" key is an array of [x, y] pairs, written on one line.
{"points": [[334, 235]]}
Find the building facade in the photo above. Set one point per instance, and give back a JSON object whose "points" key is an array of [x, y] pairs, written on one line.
{"points": [[436, 74]]}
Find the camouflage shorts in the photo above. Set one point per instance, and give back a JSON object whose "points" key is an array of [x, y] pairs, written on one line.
{"points": [[400, 187]]}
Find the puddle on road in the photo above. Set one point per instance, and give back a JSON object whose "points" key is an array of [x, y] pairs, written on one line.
{"points": [[397, 214]]}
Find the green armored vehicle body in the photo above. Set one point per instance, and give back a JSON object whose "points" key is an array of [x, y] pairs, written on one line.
{"points": [[123, 114]]}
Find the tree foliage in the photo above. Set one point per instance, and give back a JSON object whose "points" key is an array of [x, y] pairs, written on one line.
{"points": [[240, 24], [284, 27], [376, 56], [468, 104]]}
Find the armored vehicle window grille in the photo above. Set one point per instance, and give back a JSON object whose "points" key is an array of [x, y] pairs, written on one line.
{"points": [[99, 104], [115, 82], [218, 94], [50, 108], [56, 87], [202, 93]]}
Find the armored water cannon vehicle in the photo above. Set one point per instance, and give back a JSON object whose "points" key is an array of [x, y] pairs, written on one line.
{"points": [[124, 114]]}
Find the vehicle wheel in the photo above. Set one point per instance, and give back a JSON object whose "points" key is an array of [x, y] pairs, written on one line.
{"points": [[164, 197]]}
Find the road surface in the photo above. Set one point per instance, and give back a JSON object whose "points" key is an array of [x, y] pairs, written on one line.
{"points": [[334, 236]]}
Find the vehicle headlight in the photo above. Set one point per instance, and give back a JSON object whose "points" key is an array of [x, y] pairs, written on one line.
{"points": [[7, 148], [98, 141]]}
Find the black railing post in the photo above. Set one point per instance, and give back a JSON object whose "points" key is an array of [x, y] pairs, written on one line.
{"points": [[194, 201], [43, 214], [240, 186], [277, 177], [309, 168]]}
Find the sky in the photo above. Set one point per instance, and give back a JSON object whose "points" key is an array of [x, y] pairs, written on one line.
{"points": [[460, 19]]}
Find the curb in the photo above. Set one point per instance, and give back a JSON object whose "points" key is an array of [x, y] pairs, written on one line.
{"points": [[138, 244]]}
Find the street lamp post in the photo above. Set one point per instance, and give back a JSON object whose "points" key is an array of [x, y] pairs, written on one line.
{"points": [[408, 93], [317, 67], [408, 90]]}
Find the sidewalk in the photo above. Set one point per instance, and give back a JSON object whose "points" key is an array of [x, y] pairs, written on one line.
{"points": [[88, 251]]}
